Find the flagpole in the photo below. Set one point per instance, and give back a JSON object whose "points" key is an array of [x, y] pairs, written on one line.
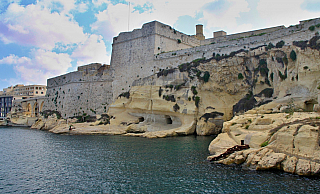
{"points": [[129, 17]]}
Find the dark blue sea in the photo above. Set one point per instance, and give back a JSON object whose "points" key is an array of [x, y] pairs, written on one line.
{"points": [[33, 161]]}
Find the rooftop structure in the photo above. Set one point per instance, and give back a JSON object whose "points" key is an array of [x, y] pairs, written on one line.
{"points": [[25, 91]]}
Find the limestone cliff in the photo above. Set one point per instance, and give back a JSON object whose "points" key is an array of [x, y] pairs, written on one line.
{"points": [[200, 95]]}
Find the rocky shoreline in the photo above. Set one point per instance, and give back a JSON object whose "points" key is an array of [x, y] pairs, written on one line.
{"points": [[288, 142], [283, 141]]}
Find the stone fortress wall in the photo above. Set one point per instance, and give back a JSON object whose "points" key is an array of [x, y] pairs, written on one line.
{"points": [[144, 52], [132, 51], [88, 90], [246, 40]]}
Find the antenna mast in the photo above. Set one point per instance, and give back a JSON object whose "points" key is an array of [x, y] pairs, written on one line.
{"points": [[129, 17]]}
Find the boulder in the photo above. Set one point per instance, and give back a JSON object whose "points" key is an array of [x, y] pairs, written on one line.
{"points": [[208, 128]]}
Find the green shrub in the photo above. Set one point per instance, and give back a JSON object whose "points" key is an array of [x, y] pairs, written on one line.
{"points": [[197, 101], [270, 46], [179, 41], [93, 111], [271, 76], [198, 74], [285, 60], [311, 28], [160, 91], [176, 107], [280, 44], [293, 55], [262, 62], [240, 76], [282, 77], [206, 76], [264, 144], [194, 91], [198, 60]]}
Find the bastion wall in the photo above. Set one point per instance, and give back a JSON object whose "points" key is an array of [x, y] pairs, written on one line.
{"points": [[133, 52], [298, 32], [88, 90]]}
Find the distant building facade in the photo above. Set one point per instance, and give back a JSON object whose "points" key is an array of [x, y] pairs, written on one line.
{"points": [[19, 92], [5, 105], [27, 91]]}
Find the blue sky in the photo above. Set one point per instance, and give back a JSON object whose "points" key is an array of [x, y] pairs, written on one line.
{"points": [[40, 39]]}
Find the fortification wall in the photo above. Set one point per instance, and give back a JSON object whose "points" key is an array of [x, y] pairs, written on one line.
{"points": [[86, 91], [133, 52], [241, 35], [173, 35], [288, 35], [139, 54]]}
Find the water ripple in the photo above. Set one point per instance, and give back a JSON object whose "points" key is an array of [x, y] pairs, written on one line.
{"points": [[35, 161]]}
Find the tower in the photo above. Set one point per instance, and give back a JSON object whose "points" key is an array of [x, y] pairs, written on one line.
{"points": [[199, 32]]}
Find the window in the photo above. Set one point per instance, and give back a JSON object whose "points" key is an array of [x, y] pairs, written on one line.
{"points": [[41, 92], [36, 92]]}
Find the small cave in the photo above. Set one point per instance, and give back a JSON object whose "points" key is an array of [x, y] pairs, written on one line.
{"points": [[168, 119], [308, 105], [141, 119]]}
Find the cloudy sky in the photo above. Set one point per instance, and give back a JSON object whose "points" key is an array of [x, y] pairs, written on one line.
{"points": [[40, 39]]}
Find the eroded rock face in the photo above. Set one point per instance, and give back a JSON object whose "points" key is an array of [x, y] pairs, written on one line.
{"points": [[47, 124], [211, 127], [291, 142], [261, 80]]}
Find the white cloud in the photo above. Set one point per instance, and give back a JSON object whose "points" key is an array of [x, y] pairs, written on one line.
{"points": [[14, 60], [285, 12], [37, 69], [36, 26], [93, 50], [115, 17], [226, 18], [100, 2], [67, 5], [82, 7]]}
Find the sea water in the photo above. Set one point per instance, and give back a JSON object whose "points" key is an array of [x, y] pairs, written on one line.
{"points": [[34, 161]]}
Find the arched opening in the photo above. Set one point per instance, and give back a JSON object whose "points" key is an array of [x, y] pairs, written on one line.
{"points": [[28, 109], [41, 106], [168, 119], [141, 119], [309, 105], [36, 109]]}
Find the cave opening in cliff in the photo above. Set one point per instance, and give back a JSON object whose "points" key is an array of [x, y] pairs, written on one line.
{"points": [[309, 105], [168, 120], [141, 119]]}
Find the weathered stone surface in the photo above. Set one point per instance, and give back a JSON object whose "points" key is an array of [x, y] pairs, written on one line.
{"points": [[315, 168], [207, 128], [39, 124], [303, 167], [289, 164], [271, 160], [291, 142]]}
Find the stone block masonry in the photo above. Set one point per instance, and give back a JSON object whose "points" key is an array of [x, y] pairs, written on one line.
{"points": [[86, 91]]}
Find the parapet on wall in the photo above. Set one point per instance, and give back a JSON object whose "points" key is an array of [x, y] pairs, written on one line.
{"points": [[88, 90], [133, 52], [293, 33]]}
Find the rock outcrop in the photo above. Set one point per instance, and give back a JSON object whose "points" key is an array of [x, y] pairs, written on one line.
{"points": [[277, 141]]}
